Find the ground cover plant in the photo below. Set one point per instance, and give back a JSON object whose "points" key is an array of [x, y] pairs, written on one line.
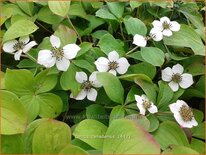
{"points": [[123, 77]]}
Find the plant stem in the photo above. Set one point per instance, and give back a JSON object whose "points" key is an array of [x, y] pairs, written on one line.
{"points": [[78, 36], [132, 50], [43, 27], [30, 57], [121, 29]]}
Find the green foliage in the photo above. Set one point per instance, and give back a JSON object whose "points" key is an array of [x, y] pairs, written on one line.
{"points": [[41, 101]]}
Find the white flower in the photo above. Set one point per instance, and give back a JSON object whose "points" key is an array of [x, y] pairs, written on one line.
{"points": [[183, 114], [166, 26], [59, 56], [18, 46], [113, 64], [156, 34], [176, 77], [87, 86], [139, 40], [144, 104]]}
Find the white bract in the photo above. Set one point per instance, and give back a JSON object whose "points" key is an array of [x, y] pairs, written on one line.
{"points": [[113, 64], [87, 86], [166, 26], [59, 56], [183, 114], [141, 41], [18, 46], [144, 104], [176, 77]]}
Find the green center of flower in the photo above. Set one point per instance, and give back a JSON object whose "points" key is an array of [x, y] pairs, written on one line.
{"points": [[113, 65], [19, 46], [186, 113], [166, 25], [58, 52], [176, 78], [87, 85], [146, 104]]}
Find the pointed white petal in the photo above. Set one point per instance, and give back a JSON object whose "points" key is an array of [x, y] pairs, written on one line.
{"points": [[167, 32], [167, 74], [81, 77], [17, 55], [141, 108], [112, 71], [94, 81], [55, 41], [174, 86], [82, 94], [62, 64], [139, 99], [177, 69], [174, 26], [180, 121], [156, 34], [70, 51], [28, 46], [92, 94], [187, 81], [139, 40], [175, 107], [165, 19], [153, 109], [8, 46], [113, 56], [45, 58], [24, 39], [123, 65], [102, 64], [193, 122], [158, 25]]}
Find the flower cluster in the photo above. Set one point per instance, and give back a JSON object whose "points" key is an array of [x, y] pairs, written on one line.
{"points": [[163, 27], [114, 64]]}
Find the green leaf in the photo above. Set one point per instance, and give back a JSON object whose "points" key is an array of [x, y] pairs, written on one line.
{"points": [[140, 120], [44, 81], [153, 55], [117, 113], [133, 91], [84, 64], [11, 144], [135, 4], [108, 44], [50, 105], [27, 7], [199, 131], [13, 114], [71, 149], [81, 144], [45, 15], [111, 83], [125, 137], [105, 14], [147, 86], [68, 81], [60, 8], [6, 13], [90, 132], [186, 37], [198, 145], [164, 96], [63, 32], [29, 133], [76, 9], [50, 137], [142, 68], [96, 112], [19, 81], [179, 150], [196, 68], [117, 8], [154, 122], [19, 29], [169, 133], [85, 47], [31, 105], [135, 26]]}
